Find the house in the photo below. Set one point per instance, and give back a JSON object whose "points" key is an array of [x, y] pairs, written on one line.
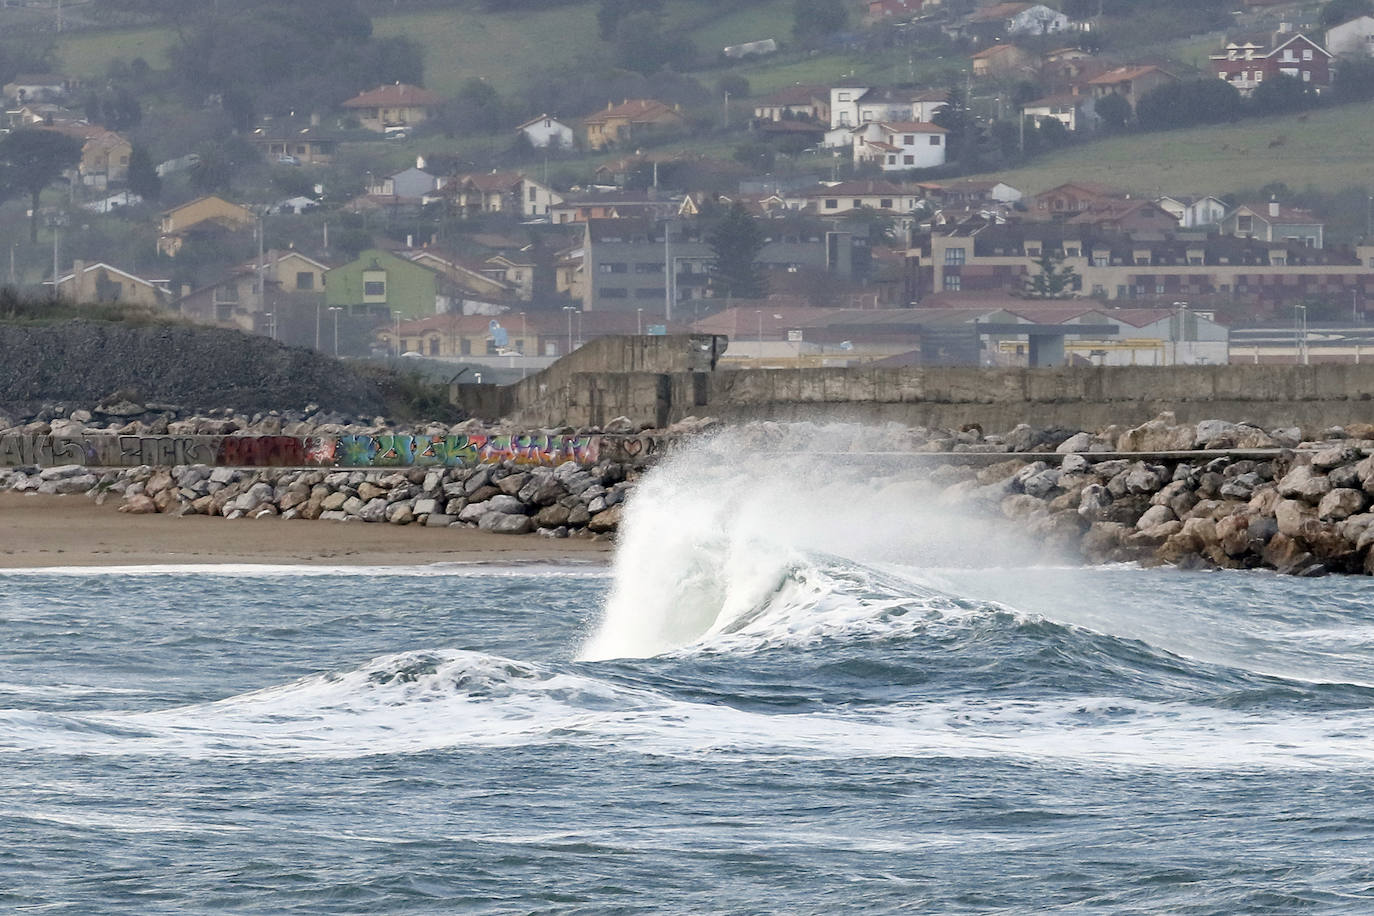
{"points": [[39, 87], [1072, 110], [998, 59], [455, 335], [546, 132], [392, 106], [793, 102], [295, 144], [1354, 38], [1274, 222], [844, 105], [501, 192], [624, 122], [971, 191], [197, 216], [1073, 197], [1194, 212], [242, 297], [836, 198], [613, 205], [104, 153], [474, 280], [101, 283], [1000, 20], [410, 185], [925, 104], [1129, 82], [1247, 62], [899, 145], [381, 284]]}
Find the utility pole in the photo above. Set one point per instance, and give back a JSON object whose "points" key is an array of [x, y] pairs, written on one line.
{"points": [[727, 109], [667, 270]]}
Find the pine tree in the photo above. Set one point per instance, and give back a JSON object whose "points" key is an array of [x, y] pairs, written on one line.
{"points": [[1054, 280], [735, 242]]}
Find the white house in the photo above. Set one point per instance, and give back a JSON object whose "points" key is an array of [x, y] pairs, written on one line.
{"points": [[545, 131], [899, 145], [844, 105], [1352, 39], [1193, 212], [1074, 111], [1037, 19]]}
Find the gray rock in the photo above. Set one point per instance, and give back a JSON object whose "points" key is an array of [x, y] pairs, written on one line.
{"points": [[479, 479], [473, 512], [353, 505], [439, 520], [335, 515], [374, 511], [1341, 504], [1290, 514], [1078, 442], [1303, 483], [501, 523], [1208, 431], [1094, 501], [1042, 484], [61, 471], [1073, 464], [1154, 516], [1335, 456], [426, 506], [505, 505]]}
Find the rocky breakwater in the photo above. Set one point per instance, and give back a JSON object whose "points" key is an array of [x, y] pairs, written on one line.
{"points": [[563, 501], [1301, 510]]}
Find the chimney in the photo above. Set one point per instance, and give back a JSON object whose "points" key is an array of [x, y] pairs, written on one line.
{"points": [[420, 163], [77, 268], [1274, 207]]}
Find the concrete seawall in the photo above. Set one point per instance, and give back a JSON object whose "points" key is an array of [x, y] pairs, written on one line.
{"points": [[658, 381]]}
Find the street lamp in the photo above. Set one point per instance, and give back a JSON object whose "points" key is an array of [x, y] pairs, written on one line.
{"points": [[318, 306], [569, 309], [758, 314], [524, 347], [639, 322], [1300, 327], [336, 309]]}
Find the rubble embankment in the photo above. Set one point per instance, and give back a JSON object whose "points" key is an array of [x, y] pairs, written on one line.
{"points": [[1208, 495]]}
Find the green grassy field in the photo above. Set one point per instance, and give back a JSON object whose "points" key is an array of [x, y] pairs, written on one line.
{"points": [[1328, 149], [88, 54]]}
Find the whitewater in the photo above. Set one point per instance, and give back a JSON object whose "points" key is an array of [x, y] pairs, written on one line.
{"points": [[806, 684]]}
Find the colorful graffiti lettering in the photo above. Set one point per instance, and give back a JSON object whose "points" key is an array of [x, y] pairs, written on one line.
{"points": [[349, 451]]}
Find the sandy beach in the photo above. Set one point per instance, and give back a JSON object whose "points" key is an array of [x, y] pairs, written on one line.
{"points": [[38, 531]]}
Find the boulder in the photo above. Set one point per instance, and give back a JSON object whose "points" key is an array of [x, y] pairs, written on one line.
{"points": [[605, 521], [1162, 434], [400, 514], [1290, 514], [1094, 502], [502, 523], [374, 511], [1341, 504], [1155, 516], [139, 505], [439, 520], [1214, 434], [368, 491], [552, 516], [1078, 442], [1335, 456], [426, 506], [1304, 483], [334, 501]]}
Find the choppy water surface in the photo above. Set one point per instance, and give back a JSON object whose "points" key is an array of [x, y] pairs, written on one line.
{"points": [[715, 725]]}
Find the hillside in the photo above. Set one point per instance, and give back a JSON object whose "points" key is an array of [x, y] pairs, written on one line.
{"points": [[1327, 149]]}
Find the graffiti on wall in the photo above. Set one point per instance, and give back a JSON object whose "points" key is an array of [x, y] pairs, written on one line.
{"points": [[351, 451]]}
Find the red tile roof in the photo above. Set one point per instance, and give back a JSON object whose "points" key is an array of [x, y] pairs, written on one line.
{"points": [[394, 94]]}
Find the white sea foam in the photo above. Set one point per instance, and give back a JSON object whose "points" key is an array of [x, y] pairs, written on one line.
{"points": [[464, 701], [717, 539]]}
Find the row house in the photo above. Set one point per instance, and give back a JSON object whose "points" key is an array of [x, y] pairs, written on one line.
{"points": [[1194, 212], [580, 208], [1247, 62], [1183, 266], [500, 192], [838, 198]]}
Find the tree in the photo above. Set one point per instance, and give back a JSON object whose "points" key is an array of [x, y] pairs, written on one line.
{"points": [[1339, 11], [143, 177], [32, 159], [1282, 94], [1053, 280], [955, 117], [1183, 104], [735, 242], [1114, 112], [1354, 80], [815, 20]]}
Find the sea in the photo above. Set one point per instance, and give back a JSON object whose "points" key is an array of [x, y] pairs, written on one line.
{"points": [[803, 685]]}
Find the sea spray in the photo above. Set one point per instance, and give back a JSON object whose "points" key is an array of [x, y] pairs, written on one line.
{"points": [[714, 533]]}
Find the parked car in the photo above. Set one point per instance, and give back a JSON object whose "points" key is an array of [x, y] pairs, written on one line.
{"points": [[285, 159]]}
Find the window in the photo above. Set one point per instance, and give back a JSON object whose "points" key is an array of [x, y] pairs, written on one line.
{"points": [[954, 257], [1245, 223], [491, 347], [465, 347], [434, 346], [1070, 252], [652, 292], [892, 158], [909, 159], [224, 311], [952, 283], [935, 140], [1307, 54], [305, 280], [1159, 288], [374, 288], [1307, 76], [534, 194], [613, 267], [615, 293], [649, 268], [908, 139], [831, 203], [227, 293], [885, 203], [858, 203]]}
